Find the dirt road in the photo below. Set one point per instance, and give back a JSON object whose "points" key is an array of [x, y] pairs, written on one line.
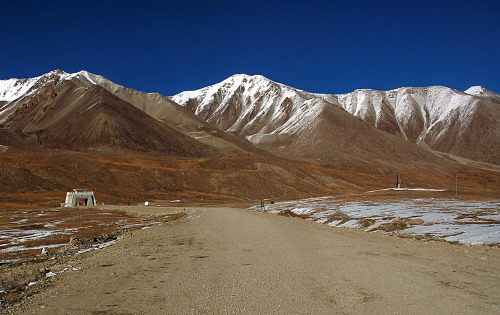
{"points": [[222, 260]]}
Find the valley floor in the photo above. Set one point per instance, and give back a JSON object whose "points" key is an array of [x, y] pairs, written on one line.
{"points": [[227, 260]]}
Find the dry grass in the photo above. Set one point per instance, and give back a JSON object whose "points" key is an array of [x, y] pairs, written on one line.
{"points": [[339, 216], [398, 224], [364, 223], [289, 213]]}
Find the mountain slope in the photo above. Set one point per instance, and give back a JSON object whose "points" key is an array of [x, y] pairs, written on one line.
{"points": [[64, 115], [440, 118], [269, 114], [14, 91], [300, 124], [437, 117]]}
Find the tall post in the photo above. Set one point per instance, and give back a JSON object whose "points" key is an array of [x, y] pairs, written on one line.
{"points": [[456, 186], [398, 184]]}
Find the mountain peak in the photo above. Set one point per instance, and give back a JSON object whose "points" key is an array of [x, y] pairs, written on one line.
{"points": [[247, 76], [482, 92], [56, 71], [241, 78], [476, 90]]}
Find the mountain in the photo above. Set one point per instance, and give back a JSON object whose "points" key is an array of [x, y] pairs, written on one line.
{"points": [[17, 93], [16, 139], [64, 130], [65, 115], [436, 117], [283, 119], [466, 124]]}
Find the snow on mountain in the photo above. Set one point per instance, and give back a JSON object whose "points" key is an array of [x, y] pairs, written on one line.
{"points": [[437, 117], [263, 111], [296, 123], [475, 90], [250, 105], [483, 92], [12, 92], [462, 123], [13, 88], [43, 89], [408, 111]]}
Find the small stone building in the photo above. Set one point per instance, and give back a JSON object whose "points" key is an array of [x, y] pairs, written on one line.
{"points": [[80, 197]]}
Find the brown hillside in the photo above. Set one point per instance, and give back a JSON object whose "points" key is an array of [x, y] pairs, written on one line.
{"points": [[335, 137], [40, 178], [170, 113], [77, 118], [476, 138], [16, 139]]}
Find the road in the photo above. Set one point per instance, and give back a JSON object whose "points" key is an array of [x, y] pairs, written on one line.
{"points": [[223, 260]]}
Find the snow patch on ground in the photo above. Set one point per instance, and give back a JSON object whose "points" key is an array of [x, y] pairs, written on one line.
{"points": [[406, 189], [462, 221], [9, 261], [302, 211], [95, 246], [23, 248]]}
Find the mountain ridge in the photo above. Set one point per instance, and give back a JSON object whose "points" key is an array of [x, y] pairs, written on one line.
{"points": [[66, 115], [61, 131], [258, 109], [427, 116], [153, 104]]}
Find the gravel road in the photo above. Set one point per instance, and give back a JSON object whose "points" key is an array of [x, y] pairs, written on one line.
{"points": [[224, 260]]}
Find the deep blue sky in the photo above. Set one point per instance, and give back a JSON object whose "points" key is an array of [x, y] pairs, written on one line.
{"points": [[318, 46]]}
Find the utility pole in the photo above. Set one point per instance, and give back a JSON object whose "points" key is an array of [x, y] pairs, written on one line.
{"points": [[456, 186]]}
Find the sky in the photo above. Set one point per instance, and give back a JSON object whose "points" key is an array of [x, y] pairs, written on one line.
{"points": [[317, 46]]}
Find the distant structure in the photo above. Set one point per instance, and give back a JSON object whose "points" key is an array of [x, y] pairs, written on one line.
{"points": [[79, 195]]}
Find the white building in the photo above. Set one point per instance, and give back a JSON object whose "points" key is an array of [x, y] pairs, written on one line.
{"points": [[80, 197]]}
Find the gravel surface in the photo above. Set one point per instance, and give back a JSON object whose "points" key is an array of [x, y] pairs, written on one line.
{"points": [[224, 260]]}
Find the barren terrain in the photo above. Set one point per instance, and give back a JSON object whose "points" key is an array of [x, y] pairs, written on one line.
{"points": [[39, 178], [227, 260]]}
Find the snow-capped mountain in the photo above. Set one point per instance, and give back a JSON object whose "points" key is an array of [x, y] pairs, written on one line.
{"points": [[154, 104], [283, 119], [462, 123], [17, 94], [250, 105], [296, 123], [70, 111], [14, 91]]}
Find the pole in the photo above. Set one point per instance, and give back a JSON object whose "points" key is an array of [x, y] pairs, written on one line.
{"points": [[456, 186]]}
